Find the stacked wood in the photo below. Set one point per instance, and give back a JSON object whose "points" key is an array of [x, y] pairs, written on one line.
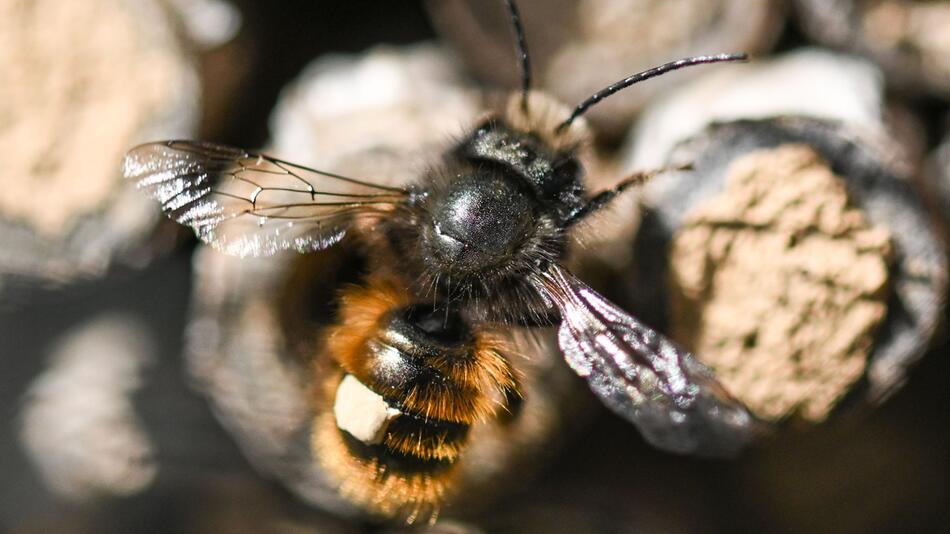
{"points": [[85, 81], [579, 47], [910, 40]]}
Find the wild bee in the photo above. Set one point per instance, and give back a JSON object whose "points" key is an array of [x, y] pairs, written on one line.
{"points": [[415, 361]]}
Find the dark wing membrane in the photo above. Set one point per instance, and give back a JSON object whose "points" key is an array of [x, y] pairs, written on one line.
{"points": [[248, 204], [672, 398]]}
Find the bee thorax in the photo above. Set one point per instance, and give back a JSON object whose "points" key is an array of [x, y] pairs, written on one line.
{"points": [[479, 222]]}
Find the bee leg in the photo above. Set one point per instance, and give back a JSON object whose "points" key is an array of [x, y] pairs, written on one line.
{"points": [[603, 198], [594, 204]]}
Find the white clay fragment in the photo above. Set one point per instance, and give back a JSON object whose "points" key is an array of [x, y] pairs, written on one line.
{"points": [[362, 412]]}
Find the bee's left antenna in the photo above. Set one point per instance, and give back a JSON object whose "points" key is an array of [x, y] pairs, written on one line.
{"points": [[645, 75], [521, 47]]}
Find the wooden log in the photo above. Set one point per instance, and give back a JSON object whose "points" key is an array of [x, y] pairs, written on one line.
{"points": [[910, 40], [807, 82], [86, 80], [710, 249], [937, 184], [580, 47]]}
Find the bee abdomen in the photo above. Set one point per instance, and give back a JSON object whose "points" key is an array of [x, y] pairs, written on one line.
{"points": [[381, 478], [406, 386], [426, 363], [377, 428], [426, 440], [389, 461]]}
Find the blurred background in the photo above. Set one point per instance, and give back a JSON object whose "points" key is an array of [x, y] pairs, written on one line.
{"points": [[103, 429]]}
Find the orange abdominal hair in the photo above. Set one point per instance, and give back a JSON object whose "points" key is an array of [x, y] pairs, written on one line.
{"points": [[475, 377], [411, 470]]}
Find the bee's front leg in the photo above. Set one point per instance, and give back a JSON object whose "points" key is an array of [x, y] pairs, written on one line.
{"points": [[603, 198]]}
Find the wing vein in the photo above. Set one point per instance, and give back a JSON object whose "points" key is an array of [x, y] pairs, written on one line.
{"points": [[217, 190]]}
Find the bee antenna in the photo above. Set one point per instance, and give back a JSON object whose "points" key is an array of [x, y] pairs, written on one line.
{"points": [[521, 48], [645, 75]]}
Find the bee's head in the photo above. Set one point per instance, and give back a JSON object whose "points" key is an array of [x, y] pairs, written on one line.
{"points": [[499, 203]]}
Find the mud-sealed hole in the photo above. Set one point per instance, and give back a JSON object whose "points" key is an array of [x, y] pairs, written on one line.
{"points": [[780, 283]]}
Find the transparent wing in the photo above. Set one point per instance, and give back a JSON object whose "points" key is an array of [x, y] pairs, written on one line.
{"points": [[672, 398], [248, 204]]}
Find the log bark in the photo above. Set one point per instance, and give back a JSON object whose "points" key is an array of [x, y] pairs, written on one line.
{"points": [[87, 80]]}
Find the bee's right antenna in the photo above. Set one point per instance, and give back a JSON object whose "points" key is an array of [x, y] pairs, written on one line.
{"points": [[521, 47], [645, 75]]}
